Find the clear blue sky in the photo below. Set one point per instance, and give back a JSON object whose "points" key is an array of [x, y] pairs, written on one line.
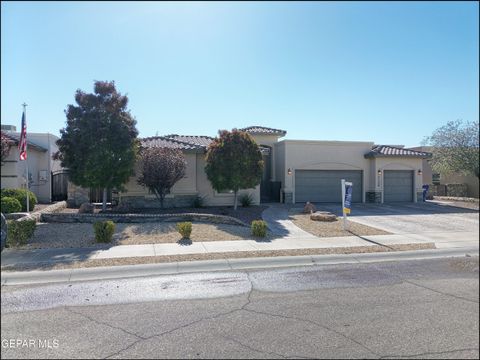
{"points": [[384, 72]]}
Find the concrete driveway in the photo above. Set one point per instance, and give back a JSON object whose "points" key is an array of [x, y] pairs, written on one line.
{"points": [[448, 226]]}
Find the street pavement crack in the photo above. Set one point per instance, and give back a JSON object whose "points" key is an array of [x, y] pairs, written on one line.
{"points": [[104, 323], [428, 353], [316, 324], [175, 329], [423, 286], [440, 292], [253, 349]]}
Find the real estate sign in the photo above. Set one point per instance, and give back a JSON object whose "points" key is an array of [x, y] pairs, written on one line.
{"points": [[347, 188]]}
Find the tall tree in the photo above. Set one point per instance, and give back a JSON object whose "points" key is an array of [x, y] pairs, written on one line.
{"points": [[234, 162], [6, 144], [455, 148], [99, 143], [160, 169]]}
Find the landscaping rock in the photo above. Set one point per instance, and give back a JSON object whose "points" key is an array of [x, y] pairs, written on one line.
{"points": [[309, 208], [86, 208], [323, 216]]}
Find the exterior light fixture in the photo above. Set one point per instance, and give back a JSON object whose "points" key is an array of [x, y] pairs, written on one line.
{"points": [[379, 172], [289, 171], [419, 172]]}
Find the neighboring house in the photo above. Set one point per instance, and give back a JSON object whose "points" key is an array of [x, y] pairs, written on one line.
{"points": [[40, 148], [295, 171], [430, 177]]}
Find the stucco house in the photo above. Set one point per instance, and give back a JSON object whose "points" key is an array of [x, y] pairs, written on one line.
{"points": [[295, 171], [40, 148]]}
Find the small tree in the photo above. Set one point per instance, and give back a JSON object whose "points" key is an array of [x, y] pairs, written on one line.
{"points": [[98, 145], [455, 148], [161, 168], [6, 144], [234, 162]]}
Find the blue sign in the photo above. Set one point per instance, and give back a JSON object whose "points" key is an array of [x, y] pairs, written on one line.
{"points": [[348, 197]]}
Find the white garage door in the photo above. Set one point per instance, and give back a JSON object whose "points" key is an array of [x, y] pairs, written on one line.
{"points": [[398, 186], [325, 185]]}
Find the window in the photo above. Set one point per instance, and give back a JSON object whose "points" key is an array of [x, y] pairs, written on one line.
{"points": [[436, 179]]}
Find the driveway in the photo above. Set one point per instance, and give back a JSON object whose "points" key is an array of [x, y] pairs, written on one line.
{"points": [[446, 225]]}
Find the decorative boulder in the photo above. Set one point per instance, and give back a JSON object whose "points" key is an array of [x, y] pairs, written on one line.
{"points": [[309, 208], [323, 216], [86, 208]]}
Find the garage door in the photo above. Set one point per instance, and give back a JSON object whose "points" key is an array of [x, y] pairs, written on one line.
{"points": [[398, 185], [325, 185]]}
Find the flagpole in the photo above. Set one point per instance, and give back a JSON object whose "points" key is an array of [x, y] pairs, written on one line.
{"points": [[26, 160]]}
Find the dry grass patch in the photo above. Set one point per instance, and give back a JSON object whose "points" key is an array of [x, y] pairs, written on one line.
{"points": [[332, 229], [61, 235]]}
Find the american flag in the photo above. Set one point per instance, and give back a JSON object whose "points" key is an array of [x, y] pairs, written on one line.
{"points": [[22, 144]]}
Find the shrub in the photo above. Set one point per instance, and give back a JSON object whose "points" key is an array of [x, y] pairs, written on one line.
{"points": [[19, 231], [246, 200], [198, 202], [259, 228], [21, 196], [104, 231], [10, 205], [185, 229]]}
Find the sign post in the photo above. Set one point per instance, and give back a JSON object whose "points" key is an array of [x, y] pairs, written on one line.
{"points": [[347, 188]]}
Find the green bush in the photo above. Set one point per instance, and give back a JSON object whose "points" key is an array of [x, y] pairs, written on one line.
{"points": [[259, 228], [10, 205], [21, 196], [246, 200], [104, 231], [198, 202], [185, 229], [19, 231]]}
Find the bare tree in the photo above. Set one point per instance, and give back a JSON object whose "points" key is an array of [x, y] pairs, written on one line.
{"points": [[455, 148], [161, 168]]}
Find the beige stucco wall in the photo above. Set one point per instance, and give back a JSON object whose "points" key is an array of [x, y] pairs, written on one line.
{"points": [[194, 182], [393, 163], [185, 186], [269, 140], [323, 155], [279, 165], [470, 180]]}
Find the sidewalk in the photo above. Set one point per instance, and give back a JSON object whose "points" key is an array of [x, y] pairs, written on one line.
{"points": [[23, 257]]}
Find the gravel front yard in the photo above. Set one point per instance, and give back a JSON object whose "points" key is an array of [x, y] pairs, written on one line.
{"points": [[332, 229], [60, 235]]}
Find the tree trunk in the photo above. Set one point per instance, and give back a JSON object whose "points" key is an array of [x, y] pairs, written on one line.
{"points": [[162, 196], [235, 200], [104, 202]]}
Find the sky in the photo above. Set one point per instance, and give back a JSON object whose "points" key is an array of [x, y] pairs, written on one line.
{"points": [[387, 72]]}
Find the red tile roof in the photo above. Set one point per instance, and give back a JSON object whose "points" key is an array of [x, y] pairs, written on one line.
{"points": [[263, 130], [389, 151]]}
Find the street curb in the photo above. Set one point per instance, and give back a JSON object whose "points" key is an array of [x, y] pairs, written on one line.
{"points": [[183, 267]]}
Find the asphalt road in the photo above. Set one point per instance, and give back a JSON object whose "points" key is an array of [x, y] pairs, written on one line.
{"points": [[424, 309]]}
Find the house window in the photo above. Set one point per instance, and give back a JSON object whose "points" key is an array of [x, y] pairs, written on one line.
{"points": [[436, 179]]}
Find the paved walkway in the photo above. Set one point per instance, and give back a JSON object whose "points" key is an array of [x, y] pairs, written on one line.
{"points": [[276, 216]]}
